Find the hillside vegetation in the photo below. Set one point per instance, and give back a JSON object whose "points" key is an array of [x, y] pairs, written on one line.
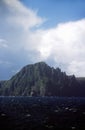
{"points": [[39, 79]]}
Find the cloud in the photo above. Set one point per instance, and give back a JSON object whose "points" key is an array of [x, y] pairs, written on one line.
{"points": [[7, 63], [3, 43], [78, 67], [19, 15], [65, 44], [62, 46]]}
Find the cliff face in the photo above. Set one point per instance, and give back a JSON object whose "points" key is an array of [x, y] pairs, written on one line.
{"points": [[42, 80]]}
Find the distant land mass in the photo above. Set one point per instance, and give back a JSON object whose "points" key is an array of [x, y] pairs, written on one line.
{"points": [[39, 79]]}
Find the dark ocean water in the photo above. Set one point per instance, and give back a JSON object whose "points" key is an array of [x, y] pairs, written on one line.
{"points": [[40, 113]]}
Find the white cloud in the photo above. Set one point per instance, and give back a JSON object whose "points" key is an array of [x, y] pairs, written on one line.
{"points": [[21, 16], [3, 43], [63, 45], [6, 63], [77, 67]]}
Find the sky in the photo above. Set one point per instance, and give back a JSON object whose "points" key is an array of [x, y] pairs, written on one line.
{"points": [[42, 30]]}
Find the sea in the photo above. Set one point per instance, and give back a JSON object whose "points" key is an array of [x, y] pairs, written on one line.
{"points": [[40, 113]]}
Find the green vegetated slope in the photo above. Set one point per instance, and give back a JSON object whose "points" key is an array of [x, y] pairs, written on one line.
{"points": [[39, 79]]}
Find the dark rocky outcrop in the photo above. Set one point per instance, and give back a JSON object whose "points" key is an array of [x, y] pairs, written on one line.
{"points": [[42, 80]]}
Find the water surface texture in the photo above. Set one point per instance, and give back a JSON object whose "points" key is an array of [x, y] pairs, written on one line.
{"points": [[31, 113]]}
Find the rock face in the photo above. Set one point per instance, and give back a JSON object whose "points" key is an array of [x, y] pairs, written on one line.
{"points": [[42, 80]]}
